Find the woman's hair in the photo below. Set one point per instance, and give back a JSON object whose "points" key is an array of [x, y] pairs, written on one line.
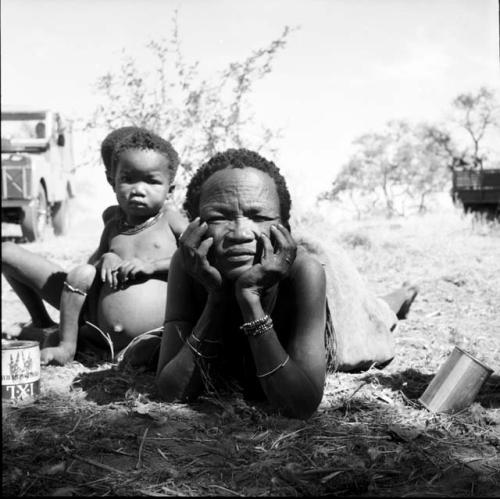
{"points": [[127, 138], [236, 158]]}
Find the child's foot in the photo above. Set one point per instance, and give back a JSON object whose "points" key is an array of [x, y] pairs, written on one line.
{"points": [[56, 355], [410, 293]]}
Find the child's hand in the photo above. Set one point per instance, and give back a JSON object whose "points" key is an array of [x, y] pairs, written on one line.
{"points": [[109, 269], [130, 269], [274, 265]]}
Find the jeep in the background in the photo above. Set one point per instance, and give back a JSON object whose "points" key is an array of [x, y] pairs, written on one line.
{"points": [[478, 190], [37, 168]]}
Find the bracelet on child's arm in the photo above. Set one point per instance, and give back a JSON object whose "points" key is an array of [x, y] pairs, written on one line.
{"points": [[258, 326], [272, 371]]}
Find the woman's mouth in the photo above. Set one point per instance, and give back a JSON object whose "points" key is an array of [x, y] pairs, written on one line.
{"points": [[239, 258], [239, 255]]}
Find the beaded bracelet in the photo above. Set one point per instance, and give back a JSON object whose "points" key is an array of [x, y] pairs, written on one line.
{"points": [[258, 326], [272, 371]]}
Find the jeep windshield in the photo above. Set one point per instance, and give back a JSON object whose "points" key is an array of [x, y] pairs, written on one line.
{"points": [[24, 131]]}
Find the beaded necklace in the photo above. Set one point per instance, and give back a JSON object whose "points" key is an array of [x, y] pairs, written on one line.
{"points": [[127, 229]]}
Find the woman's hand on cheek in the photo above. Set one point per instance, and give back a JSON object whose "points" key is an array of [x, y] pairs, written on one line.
{"points": [[274, 265], [194, 250]]}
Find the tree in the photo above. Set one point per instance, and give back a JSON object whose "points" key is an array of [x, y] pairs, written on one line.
{"points": [[391, 168], [474, 118], [199, 116], [477, 114], [408, 163]]}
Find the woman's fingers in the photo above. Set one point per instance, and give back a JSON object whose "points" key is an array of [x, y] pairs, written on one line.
{"points": [[288, 236], [204, 246], [286, 247], [267, 247], [193, 234]]}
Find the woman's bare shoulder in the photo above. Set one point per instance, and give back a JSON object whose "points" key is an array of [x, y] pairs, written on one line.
{"points": [[305, 262]]}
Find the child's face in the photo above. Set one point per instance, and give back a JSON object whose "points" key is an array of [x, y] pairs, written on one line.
{"points": [[142, 183]]}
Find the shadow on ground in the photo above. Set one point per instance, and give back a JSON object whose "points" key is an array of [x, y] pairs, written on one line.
{"points": [[111, 385]]}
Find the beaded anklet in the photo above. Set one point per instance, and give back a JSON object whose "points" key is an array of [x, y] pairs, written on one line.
{"points": [[69, 287]]}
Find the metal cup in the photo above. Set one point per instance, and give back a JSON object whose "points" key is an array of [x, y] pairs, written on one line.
{"points": [[20, 369], [456, 384]]}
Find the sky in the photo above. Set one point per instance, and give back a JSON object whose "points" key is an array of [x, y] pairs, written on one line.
{"points": [[350, 66]]}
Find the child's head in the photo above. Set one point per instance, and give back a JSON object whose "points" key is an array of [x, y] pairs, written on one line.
{"points": [[143, 166], [108, 146]]}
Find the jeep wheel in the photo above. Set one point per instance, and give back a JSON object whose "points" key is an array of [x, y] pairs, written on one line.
{"points": [[61, 217], [36, 217]]}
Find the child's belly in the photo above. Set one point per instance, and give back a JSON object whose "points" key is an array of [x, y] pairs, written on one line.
{"points": [[127, 313]]}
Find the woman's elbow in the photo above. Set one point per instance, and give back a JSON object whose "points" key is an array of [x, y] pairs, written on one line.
{"points": [[302, 411], [171, 391]]}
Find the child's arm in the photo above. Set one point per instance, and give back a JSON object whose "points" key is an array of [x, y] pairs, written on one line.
{"points": [[108, 215], [105, 261], [131, 269]]}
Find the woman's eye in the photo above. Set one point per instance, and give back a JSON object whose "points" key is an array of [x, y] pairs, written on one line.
{"points": [[215, 218], [261, 218]]}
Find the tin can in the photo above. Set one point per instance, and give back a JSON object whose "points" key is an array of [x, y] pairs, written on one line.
{"points": [[20, 369], [456, 384]]}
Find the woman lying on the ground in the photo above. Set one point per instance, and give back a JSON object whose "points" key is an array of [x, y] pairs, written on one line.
{"points": [[246, 303]]}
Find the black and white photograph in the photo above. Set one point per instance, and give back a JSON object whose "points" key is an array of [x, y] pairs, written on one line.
{"points": [[250, 248]]}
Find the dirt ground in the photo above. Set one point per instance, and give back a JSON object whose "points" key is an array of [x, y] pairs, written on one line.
{"points": [[100, 431]]}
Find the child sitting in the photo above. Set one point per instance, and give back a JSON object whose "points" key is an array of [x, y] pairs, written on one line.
{"points": [[131, 264]]}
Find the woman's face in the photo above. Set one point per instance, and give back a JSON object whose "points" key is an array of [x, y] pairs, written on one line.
{"points": [[238, 205]]}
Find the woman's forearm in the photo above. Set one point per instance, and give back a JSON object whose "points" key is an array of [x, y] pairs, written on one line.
{"points": [[179, 378], [284, 382], [286, 385]]}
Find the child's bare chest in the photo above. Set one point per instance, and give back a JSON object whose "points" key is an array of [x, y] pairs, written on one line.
{"points": [[151, 243]]}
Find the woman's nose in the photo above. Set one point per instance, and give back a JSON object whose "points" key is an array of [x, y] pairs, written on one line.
{"points": [[242, 230]]}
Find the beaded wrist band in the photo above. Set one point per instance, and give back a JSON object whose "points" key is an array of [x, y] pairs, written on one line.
{"points": [[258, 326]]}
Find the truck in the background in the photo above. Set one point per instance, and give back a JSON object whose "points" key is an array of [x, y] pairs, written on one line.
{"points": [[37, 170], [477, 189]]}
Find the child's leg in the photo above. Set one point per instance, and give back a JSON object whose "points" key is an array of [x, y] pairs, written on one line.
{"points": [[33, 278], [77, 284]]}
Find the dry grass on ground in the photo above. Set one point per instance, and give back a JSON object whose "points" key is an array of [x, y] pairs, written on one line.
{"points": [[99, 431]]}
